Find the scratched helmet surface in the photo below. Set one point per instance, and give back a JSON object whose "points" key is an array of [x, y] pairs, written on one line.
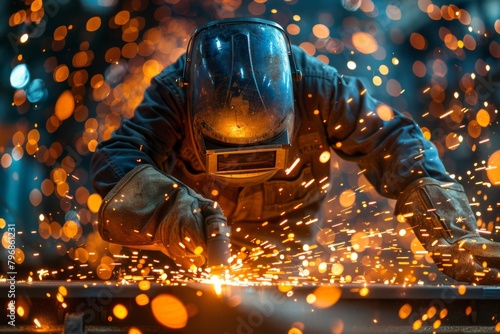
{"points": [[239, 81]]}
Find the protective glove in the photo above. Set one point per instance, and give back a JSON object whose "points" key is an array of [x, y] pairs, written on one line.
{"points": [[442, 220], [150, 210]]}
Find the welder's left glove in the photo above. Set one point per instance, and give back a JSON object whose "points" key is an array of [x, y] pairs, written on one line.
{"points": [[442, 220]]}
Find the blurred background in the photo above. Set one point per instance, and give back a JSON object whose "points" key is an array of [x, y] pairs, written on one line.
{"points": [[74, 69]]}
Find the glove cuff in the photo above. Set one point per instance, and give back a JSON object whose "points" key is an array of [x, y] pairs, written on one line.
{"points": [[436, 210], [125, 213]]}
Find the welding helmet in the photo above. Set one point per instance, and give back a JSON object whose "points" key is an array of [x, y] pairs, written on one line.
{"points": [[239, 83]]}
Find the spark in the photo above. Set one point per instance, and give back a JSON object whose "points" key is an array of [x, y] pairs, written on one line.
{"points": [[446, 114], [42, 273], [294, 164]]}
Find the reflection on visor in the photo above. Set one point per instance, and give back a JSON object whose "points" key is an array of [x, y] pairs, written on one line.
{"points": [[246, 161]]}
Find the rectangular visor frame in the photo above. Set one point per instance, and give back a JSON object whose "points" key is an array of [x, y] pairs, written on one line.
{"points": [[223, 159]]}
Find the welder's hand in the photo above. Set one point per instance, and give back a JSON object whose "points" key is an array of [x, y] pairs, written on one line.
{"points": [[150, 210], [442, 220], [184, 227]]}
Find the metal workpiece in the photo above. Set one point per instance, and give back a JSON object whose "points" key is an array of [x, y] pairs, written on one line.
{"points": [[117, 307]]}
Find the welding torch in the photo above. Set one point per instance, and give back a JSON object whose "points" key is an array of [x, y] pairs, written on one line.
{"points": [[218, 241]]}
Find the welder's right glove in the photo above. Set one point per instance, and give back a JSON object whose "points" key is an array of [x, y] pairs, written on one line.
{"points": [[150, 210], [442, 220]]}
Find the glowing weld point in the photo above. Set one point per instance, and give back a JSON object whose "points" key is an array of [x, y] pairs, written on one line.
{"points": [[216, 281]]}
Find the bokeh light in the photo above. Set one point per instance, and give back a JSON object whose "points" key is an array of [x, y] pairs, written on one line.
{"points": [[20, 76], [169, 311]]}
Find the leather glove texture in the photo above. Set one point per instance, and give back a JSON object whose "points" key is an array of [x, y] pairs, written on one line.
{"points": [[443, 221], [149, 209]]}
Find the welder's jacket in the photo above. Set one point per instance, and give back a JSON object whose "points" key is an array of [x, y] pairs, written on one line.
{"points": [[333, 112]]}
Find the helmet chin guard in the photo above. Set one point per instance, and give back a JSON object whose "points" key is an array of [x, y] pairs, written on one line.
{"points": [[239, 79]]}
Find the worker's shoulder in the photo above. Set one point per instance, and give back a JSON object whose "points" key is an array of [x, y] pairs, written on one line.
{"points": [[310, 65], [173, 71]]}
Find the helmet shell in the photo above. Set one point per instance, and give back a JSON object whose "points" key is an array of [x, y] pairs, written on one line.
{"points": [[239, 76], [240, 87]]}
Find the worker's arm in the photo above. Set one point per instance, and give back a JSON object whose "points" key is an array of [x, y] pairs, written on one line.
{"points": [[401, 164]]}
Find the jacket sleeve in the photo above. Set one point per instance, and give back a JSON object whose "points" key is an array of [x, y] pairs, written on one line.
{"points": [[148, 137], [388, 146]]}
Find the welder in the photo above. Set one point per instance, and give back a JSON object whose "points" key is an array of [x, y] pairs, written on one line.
{"points": [[237, 133]]}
